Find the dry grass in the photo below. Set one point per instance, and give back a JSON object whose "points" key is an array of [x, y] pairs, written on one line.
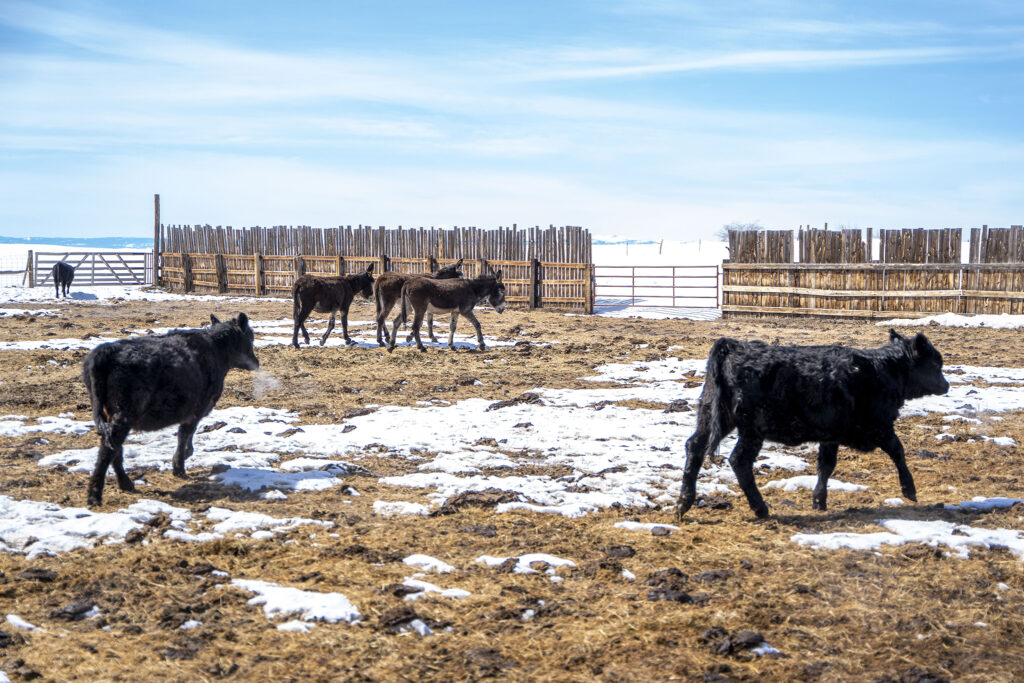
{"points": [[834, 615]]}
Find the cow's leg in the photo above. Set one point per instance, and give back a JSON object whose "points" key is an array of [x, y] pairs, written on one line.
{"points": [[184, 450], [417, 321], [704, 440], [430, 327], [124, 482], [894, 449], [451, 332], [300, 324], [742, 461], [110, 443], [330, 326], [480, 346], [826, 466]]}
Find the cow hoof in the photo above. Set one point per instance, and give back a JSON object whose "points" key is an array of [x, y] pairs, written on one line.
{"points": [[762, 513], [910, 495]]}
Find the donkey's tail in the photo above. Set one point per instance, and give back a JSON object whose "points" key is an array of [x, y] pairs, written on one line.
{"points": [[378, 302], [404, 314], [95, 371]]}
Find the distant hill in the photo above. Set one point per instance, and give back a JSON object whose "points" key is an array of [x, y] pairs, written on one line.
{"points": [[91, 242], [618, 239]]}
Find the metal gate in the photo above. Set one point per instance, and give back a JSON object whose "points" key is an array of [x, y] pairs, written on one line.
{"points": [[97, 267], [656, 286]]}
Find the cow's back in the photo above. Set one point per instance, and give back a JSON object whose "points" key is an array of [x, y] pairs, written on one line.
{"points": [[154, 382], [794, 394]]}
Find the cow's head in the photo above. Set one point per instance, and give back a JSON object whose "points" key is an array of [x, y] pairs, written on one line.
{"points": [[238, 342], [925, 365]]}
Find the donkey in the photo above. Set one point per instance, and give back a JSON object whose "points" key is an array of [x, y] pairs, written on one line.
{"points": [[387, 289], [448, 296], [63, 274], [327, 295]]}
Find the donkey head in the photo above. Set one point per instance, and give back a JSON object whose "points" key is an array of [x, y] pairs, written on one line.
{"points": [[496, 294], [362, 284], [450, 271]]}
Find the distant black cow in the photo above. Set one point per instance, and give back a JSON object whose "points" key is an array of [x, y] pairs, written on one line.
{"points": [[63, 274], [148, 383], [832, 395], [327, 294]]}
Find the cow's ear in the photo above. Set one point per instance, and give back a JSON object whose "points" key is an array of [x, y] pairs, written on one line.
{"points": [[213, 319], [894, 335], [243, 320], [922, 346], [369, 268], [458, 264]]}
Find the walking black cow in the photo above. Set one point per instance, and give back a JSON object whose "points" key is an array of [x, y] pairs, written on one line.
{"points": [[148, 383], [63, 274], [832, 395]]}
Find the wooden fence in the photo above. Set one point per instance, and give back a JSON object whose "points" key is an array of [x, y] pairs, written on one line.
{"points": [[530, 282], [918, 274]]}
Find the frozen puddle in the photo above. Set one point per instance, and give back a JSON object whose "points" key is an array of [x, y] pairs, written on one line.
{"points": [[36, 528]]}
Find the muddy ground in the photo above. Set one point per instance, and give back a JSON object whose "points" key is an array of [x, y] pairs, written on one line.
{"points": [[906, 613]]}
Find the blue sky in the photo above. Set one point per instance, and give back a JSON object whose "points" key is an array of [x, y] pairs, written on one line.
{"points": [[645, 118]]}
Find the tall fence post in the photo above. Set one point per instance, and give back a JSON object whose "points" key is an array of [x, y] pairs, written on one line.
{"points": [[257, 264], [531, 290], [300, 266], [186, 271], [588, 288], [156, 238], [222, 275], [339, 266], [384, 263], [30, 269]]}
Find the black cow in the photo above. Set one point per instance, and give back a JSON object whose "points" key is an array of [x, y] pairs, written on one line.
{"points": [[832, 395], [63, 274], [148, 383]]}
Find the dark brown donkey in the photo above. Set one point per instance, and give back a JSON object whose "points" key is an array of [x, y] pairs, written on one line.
{"points": [[327, 295], [387, 289], [448, 296]]}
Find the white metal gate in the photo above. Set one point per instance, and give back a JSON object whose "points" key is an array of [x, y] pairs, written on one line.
{"points": [[97, 267]]}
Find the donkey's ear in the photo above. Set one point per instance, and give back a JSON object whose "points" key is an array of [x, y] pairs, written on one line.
{"points": [[497, 275], [243, 320], [369, 268], [213, 319]]}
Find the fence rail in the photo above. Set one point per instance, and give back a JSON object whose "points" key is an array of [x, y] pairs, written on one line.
{"points": [[687, 286], [872, 290], [530, 284]]}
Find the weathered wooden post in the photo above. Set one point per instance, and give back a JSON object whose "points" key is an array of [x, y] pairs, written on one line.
{"points": [[532, 288], [588, 288], [156, 239], [384, 264], [300, 266], [222, 275], [186, 271], [257, 264], [30, 270], [431, 263], [339, 265]]}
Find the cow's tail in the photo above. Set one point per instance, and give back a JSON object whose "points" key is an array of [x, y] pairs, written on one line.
{"points": [[716, 393], [96, 372]]}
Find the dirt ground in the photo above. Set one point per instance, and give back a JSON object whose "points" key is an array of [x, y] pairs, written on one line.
{"points": [[905, 613]]}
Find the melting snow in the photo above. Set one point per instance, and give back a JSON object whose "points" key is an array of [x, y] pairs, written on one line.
{"points": [[310, 606]]}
